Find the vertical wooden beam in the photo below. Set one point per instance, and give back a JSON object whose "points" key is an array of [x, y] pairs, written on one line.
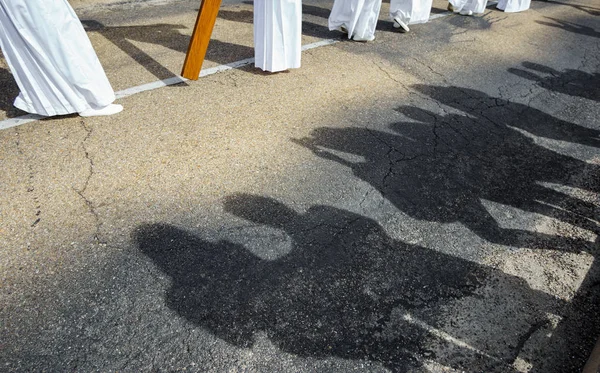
{"points": [[207, 16]]}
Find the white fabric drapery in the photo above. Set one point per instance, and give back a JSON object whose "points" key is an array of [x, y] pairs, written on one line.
{"points": [[411, 11], [476, 6], [277, 34], [51, 58], [358, 17], [511, 6]]}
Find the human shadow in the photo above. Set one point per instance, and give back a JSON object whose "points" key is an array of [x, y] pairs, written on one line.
{"points": [[443, 168], [168, 36], [345, 289], [571, 27], [570, 81], [506, 114], [584, 8]]}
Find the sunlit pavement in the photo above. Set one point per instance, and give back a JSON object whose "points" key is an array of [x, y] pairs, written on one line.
{"points": [[427, 202]]}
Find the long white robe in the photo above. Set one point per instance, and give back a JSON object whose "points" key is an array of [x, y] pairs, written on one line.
{"points": [[51, 58], [358, 17], [277, 34], [511, 6], [411, 11], [476, 6]]}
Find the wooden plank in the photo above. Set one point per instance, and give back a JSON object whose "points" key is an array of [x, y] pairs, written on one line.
{"points": [[207, 16]]}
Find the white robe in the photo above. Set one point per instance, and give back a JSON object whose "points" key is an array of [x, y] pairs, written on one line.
{"points": [[511, 6], [411, 11], [476, 6], [277, 34], [358, 17], [51, 58]]}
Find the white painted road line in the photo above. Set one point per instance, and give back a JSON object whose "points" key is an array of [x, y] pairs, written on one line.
{"points": [[13, 122], [17, 121], [445, 336]]}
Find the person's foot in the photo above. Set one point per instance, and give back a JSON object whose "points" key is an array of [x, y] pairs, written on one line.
{"points": [[398, 23], [370, 38], [107, 110], [466, 13], [343, 29], [450, 7]]}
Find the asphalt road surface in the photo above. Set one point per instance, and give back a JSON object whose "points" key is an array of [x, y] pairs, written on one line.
{"points": [[427, 202]]}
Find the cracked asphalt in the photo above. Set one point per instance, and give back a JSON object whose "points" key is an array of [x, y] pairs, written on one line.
{"points": [[427, 202]]}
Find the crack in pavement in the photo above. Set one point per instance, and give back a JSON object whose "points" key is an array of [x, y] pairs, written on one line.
{"points": [[522, 340], [81, 192], [30, 188]]}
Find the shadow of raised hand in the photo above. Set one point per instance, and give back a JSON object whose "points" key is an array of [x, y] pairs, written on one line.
{"points": [[442, 168], [571, 82]]}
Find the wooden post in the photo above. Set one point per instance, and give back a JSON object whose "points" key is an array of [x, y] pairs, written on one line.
{"points": [[207, 15]]}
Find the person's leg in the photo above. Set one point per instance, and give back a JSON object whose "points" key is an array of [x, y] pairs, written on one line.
{"points": [[277, 34], [475, 7], [420, 11], [511, 6], [344, 15], [367, 21], [456, 5], [400, 13]]}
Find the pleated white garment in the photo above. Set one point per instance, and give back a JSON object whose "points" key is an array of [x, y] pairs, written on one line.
{"points": [[277, 34], [411, 11], [51, 58], [476, 6], [511, 6], [359, 17]]}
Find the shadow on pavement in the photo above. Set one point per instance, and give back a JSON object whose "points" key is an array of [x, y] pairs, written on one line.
{"points": [[308, 28], [168, 36], [584, 8], [161, 34], [441, 168], [571, 27], [570, 81], [242, 16], [346, 289]]}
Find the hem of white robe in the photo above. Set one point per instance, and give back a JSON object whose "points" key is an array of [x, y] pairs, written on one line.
{"points": [[410, 21], [471, 7], [352, 34], [50, 111], [335, 26], [511, 10], [278, 68]]}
